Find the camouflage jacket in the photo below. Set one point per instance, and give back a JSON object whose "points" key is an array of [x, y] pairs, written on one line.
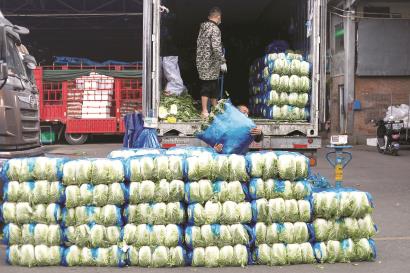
{"points": [[209, 55]]}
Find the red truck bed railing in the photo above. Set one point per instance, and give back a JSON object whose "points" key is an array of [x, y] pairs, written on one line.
{"points": [[89, 99]]}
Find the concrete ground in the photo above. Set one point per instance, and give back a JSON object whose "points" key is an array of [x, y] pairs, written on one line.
{"points": [[386, 177]]}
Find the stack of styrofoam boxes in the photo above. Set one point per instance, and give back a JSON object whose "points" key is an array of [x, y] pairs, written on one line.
{"points": [[75, 99], [31, 211], [153, 235], [97, 96], [343, 225], [281, 208], [217, 233], [92, 216]]}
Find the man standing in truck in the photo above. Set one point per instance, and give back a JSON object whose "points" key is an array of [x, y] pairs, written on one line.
{"points": [[210, 60], [169, 52]]}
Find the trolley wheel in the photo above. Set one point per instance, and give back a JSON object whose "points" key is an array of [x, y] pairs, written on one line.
{"points": [[75, 139]]}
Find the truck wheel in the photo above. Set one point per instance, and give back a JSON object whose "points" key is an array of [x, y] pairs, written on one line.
{"points": [[75, 139]]}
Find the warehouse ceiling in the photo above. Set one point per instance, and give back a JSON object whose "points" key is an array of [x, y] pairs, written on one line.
{"points": [[96, 29]]}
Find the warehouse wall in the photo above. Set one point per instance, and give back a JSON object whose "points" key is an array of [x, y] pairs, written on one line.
{"points": [[375, 95]]}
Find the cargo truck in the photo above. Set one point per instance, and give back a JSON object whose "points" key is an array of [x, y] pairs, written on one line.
{"points": [[309, 32], [19, 119]]}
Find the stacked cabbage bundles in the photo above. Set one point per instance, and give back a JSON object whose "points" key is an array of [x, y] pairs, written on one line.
{"points": [[92, 219], [343, 225], [153, 236], [31, 211], [218, 211], [281, 208], [279, 87]]}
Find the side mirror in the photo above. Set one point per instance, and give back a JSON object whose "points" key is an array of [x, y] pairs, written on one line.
{"points": [[21, 30], [4, 71], [30, 62]]}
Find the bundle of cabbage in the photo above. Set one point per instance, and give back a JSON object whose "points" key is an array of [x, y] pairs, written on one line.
{"points": [[34, 192], [292, 166], [230, 168], [278, 210], [221, 191], [96, 171], [149, 191], [343, 202], [344, 228], [219, 213], [190, 151], [140, 168], [271, 189], [281, 254], [155, 213], [109, 215], [111, 256], [213, 256], [217, 235], [33, 234], [23, 213], [92, 235], [287, 233], [96, 195], [30, 255], [345, 251], [126, 153], [159, 256], [181, 107], [170, 235], [200, 167], [35, 168]]}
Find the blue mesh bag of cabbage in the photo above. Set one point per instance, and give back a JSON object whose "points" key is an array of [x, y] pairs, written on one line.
{"points": [[229, 127], [34, 168]]}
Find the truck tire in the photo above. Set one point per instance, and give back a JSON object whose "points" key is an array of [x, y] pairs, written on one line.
{"points": [[75, 139]]}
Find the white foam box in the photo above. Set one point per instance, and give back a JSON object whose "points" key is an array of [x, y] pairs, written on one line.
{"points": [[96, 116], [371, 142], [96, 104], [95, 110]]}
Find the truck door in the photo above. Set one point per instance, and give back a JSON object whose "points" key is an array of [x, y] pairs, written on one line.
{"points": [[317, 33], [151, 60]]}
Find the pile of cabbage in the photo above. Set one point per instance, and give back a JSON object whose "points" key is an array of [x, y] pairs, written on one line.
{"points": [[279, 87], [180, 207], [92, 217], [31, 210]]}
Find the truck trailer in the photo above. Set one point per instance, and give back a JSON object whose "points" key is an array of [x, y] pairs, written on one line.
{"points": [[308, 20]]}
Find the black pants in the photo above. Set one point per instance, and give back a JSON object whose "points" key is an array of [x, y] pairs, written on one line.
{"points": [[209, 89]]}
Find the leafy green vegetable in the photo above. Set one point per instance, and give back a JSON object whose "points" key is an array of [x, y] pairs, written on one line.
{"points": [[185, 107], [287, 167], [105, 171], [77, 172], [221, 167], [237, 168]]}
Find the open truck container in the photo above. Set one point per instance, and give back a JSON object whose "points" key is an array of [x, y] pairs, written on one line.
{"points": [[309, 25]]}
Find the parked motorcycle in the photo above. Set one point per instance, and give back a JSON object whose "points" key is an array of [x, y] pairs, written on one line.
{"points": [[388, 136]]}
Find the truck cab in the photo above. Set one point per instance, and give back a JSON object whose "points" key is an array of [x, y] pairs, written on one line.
{"points": [[19, 118]]}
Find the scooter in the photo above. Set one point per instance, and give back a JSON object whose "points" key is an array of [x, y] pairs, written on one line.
{"points": [[388, 136]]}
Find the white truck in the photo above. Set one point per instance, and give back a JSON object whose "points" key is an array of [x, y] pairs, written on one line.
{"points": [[308, 19]]}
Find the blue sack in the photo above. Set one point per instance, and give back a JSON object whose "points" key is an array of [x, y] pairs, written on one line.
{"points": [[230, 128], [136, 135]]}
